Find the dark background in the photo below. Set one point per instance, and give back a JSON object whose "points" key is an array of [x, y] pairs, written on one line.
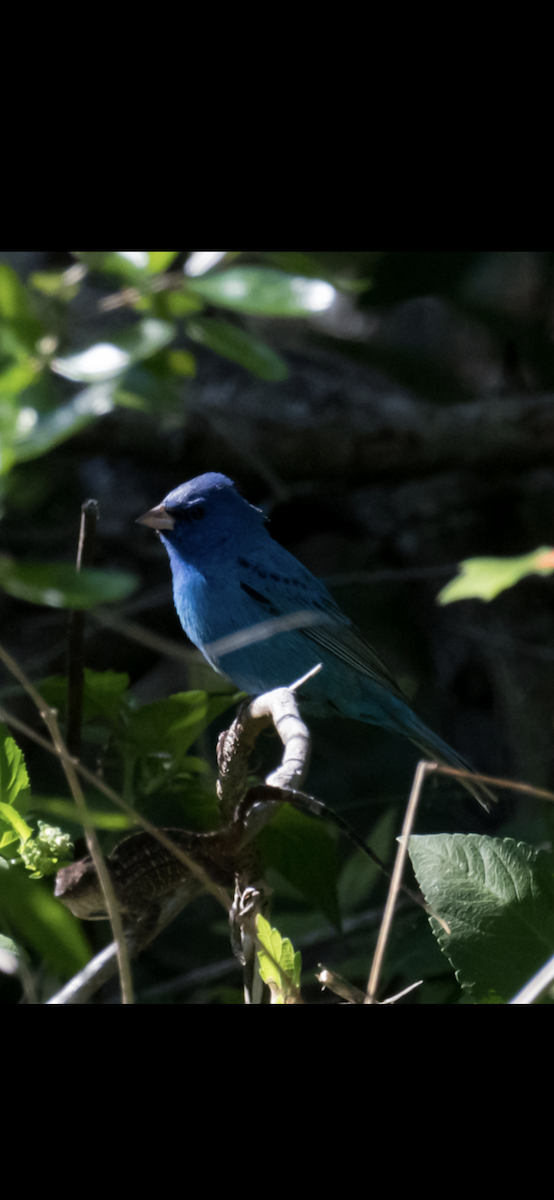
{"points": [[414, 430]]}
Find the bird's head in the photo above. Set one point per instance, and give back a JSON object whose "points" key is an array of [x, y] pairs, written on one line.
{"points": [[203, 514]]}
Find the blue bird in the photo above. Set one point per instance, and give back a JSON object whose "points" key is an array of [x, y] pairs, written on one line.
{"points": [[229, 576]]}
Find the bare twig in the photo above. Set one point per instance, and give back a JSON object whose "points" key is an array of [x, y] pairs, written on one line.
{"points": [[76, 633], [422, 769], [536, 985]]}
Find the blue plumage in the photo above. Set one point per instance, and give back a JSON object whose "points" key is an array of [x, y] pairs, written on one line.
{"points": [[229, 576]]}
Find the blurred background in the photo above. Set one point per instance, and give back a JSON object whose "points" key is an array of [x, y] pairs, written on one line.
{"points": [[392, 413]]}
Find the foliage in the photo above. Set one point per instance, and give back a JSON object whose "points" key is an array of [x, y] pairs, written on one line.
{"points": [[485, 578], [155, 313], [280, 967], [497, 898]]}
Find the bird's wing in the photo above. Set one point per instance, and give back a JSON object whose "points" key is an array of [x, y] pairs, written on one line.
{"points": [[346, 643], [291, 588]]}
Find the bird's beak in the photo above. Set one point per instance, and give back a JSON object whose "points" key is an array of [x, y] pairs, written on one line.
{"points": [[157, 518]]}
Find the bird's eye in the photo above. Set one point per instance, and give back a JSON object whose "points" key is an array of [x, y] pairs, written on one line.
{"points": [[197, 512]]}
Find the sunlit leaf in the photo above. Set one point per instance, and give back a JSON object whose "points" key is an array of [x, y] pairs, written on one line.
{"points": [[60, 586], [10, 815], [37, 434], [107, 360], [280, 966], [484, 578], [264, 291], [239, 346], [160, 260], [14, 779]]}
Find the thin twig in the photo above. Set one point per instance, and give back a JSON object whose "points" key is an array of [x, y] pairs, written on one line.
{"points": [[76, 633], [49, 717], [422, 769], [536, 985], [526, 788]]}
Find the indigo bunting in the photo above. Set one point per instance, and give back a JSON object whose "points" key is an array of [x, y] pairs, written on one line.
{"points": [[229, 575]]}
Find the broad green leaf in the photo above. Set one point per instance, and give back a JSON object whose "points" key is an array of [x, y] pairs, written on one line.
{"points": [[28, 908], [302, 850], [108, 360], [239, 346], [103, 693], [497, 897], [129, 265], [484, 578], [264, 291], [16, 310], [14, 780], [280, 966], [60, 586], [160, 260], [171, 726], [37, 435], [16, 378]]}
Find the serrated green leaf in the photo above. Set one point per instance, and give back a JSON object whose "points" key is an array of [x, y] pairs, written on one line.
{"points": [[280, 966], [497, 897], [302, 850], [484, 578], [11, 816], [60, 586], [29, 909], [264, 291], [14, 779], [239, 346]]}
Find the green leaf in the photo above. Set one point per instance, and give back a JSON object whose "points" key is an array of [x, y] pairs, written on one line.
{"points": [[104, 693], [16, 310], [239, 346], [280, 967], [484, 578], [130, 265], [108, 360], [37, 435], [66, 811], [160, 260], [61, 586], [263, 291], [29, 909], [171, 726], [302, 850], [497, 897], [12, 817], [14, 780]]}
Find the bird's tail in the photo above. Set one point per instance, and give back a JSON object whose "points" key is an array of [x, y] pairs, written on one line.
{"points": [[434, 748]]}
